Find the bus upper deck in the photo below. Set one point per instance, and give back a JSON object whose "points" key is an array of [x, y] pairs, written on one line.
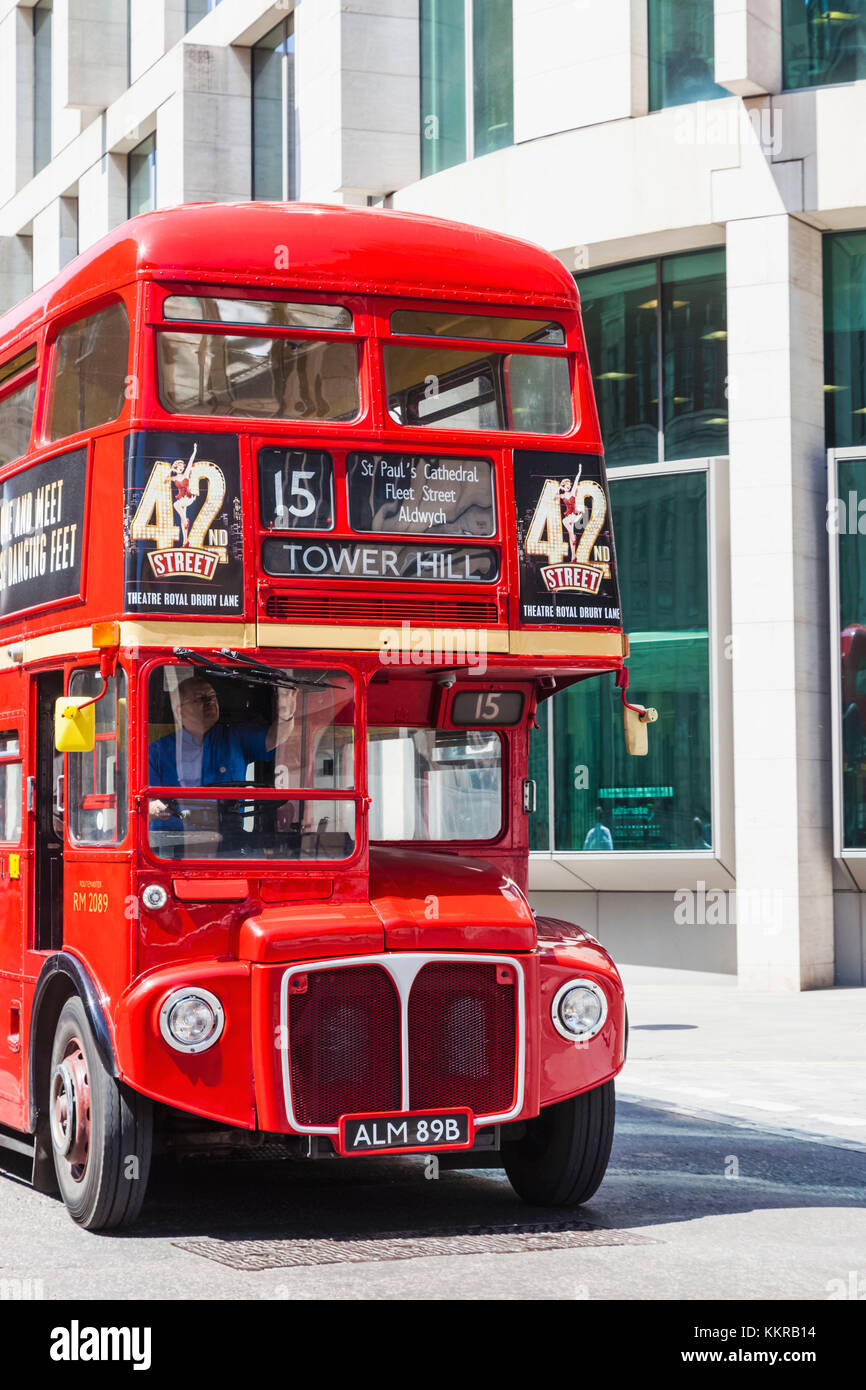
{"points": [[308, 425]]}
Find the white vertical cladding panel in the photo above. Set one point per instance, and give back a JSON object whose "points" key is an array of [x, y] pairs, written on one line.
{"points": [[66, 121], [55, 239], [318, 93], [155, 27], [358, 98], [16, 101], [203, 131], [93, 72], [101, 199], [16, 269], [748, 44], [779, 605], [381, 95], [577, 63]]}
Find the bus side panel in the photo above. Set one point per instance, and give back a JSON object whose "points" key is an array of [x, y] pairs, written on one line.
{"points": [[97, 912], [13, 902]]}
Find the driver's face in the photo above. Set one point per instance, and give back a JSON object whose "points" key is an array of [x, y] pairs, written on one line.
{"points": [[199, 707]]}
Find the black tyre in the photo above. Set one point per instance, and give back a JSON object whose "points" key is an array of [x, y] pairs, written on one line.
{"points": [[563, 1156], [101, 1131]]}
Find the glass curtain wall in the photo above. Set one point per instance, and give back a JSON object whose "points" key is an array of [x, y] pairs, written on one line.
{"points": [[197, 9], [845, 405], [822, 42], [681, 53], [659, 319], [845, 339], [467, 80], [852, 622], [141, 177], [275, 164], [602, 797], [41, 84]]}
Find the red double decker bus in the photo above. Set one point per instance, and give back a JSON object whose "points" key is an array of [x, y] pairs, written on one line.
{"points": [[302, 513]]}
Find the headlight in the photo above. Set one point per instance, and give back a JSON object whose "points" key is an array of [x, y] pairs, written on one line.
{"points": [[154, 896], [579, 1010], [191, 1020]]}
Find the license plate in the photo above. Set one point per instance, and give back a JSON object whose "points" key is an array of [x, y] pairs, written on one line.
{"points": [[402, 1132]]}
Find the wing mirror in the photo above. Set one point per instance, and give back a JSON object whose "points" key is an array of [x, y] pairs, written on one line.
{"points": [[74, 724]]}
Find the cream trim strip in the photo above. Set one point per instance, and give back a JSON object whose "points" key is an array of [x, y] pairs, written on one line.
{"points": [[495, 641]]}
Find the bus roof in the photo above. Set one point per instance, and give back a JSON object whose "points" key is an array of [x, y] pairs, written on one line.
{"points": [[329, 248]]}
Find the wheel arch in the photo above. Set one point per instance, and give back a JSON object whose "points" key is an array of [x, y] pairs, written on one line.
{"points": [[61, 977]]}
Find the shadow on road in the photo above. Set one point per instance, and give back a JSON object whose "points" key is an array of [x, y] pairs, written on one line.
{"points": [[665, 1168]]}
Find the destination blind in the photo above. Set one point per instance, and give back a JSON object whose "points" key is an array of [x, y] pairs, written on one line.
{"points": [[414, 494]]}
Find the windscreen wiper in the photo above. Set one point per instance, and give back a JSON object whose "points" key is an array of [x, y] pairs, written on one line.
{"points": [[256, 673], [251, 664]]}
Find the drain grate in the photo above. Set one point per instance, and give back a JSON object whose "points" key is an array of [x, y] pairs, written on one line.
{"points": [[326, 1249]]}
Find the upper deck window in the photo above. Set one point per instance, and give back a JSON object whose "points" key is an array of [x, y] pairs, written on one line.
{"points": [[265, 378], [264, 313], [424, 323], [90, 372], [449, 389], [17, 406]]}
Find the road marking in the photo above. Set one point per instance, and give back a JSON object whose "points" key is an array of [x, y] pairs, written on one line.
{"points": [[776, 1105], [839, 1119]]}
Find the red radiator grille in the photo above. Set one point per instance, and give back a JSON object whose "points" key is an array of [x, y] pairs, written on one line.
{"points": [[462, 1038], [388, 609], [344, 1044]]}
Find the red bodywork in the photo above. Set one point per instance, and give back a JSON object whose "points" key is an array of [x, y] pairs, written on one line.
{"points": [[244, 931]]}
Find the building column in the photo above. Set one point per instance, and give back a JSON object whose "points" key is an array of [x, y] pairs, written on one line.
{"points": [[203, 129], [748, 46], [101, 199], [577, 64], [358, 98], [55, 239], [16, 270], [779, 605]]}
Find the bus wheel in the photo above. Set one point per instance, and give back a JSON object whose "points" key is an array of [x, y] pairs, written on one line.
{"points": [[100, 1131], [562, 1158]]}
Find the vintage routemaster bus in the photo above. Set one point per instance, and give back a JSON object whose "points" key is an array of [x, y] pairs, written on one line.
{"points": [[302, 513]]}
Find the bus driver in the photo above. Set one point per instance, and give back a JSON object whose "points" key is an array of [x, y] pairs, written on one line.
{"points": [[205, 752]]}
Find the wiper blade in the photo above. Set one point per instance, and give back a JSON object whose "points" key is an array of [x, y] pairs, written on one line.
{"points": [[275, 672], [256, 674]]}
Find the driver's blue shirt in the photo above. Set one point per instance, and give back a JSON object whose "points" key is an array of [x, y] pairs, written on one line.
{"points": [[222, 756]]}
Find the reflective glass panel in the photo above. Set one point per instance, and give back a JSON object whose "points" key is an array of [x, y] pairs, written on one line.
{"points": [[695, 347], [236, 728], [845, 339], [681, 53], [141, 177], [97, 801], [274, 128], [823, 41], [460, 390], [425, 323], [443, 85], [620, 319], [852, 616], [432, 784], [539, 771], [493, 63], [16, 422], [91, 360], [603, 798], [269, 378], [266, 313]]}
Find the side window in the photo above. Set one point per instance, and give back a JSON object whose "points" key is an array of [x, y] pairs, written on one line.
{"points": [[97, 797], [17, 403], [10, 786], [90, 369]]}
